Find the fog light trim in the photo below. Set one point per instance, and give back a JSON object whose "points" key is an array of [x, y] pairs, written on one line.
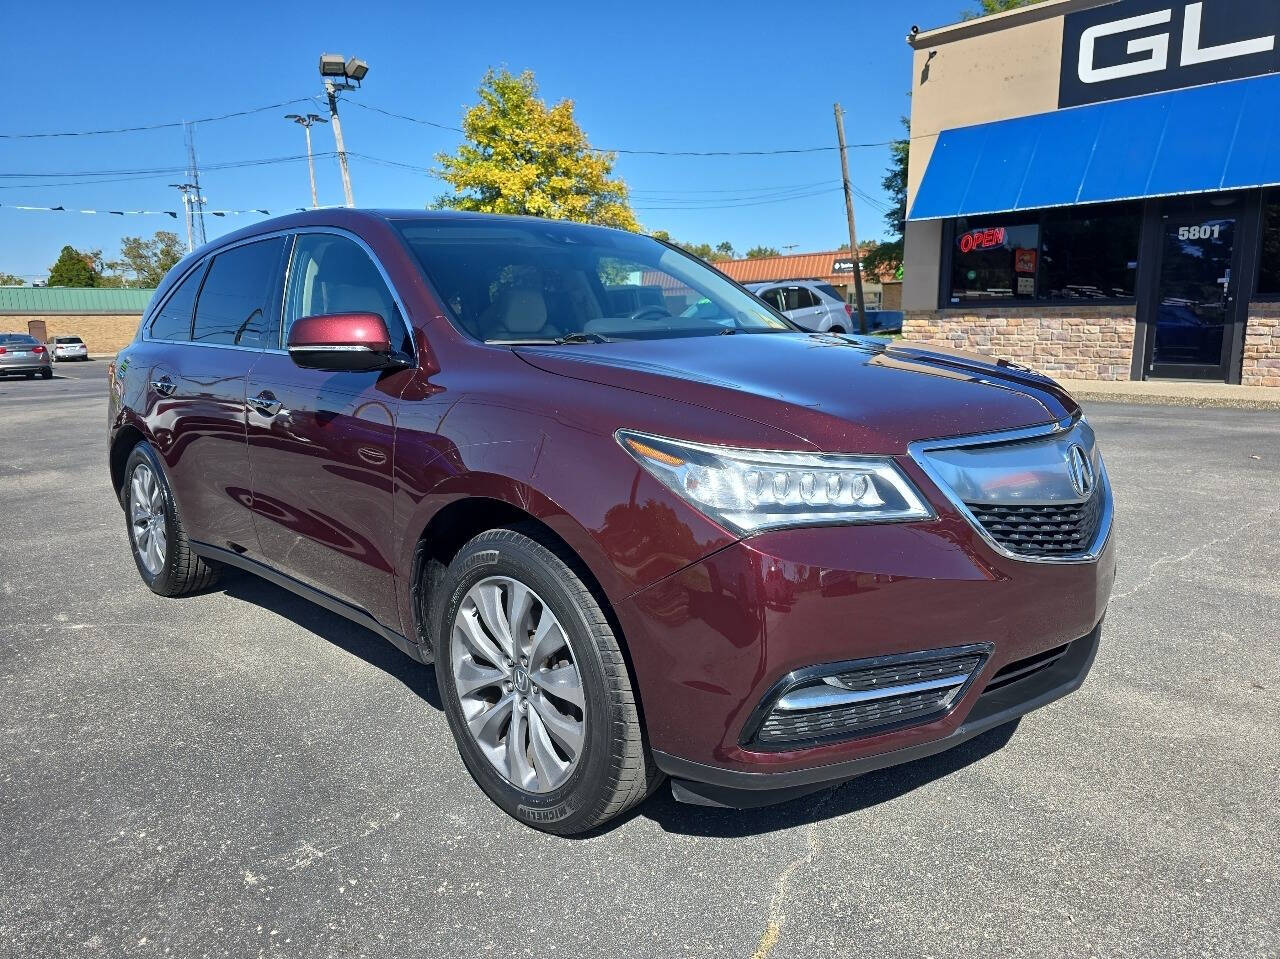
{"points": [[833, 702]]}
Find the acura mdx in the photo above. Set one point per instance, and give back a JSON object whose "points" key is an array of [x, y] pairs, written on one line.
{"points": [[642, 525]]}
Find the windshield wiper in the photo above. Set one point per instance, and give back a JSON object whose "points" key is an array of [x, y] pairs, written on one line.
{"points": [[581, 338], [727, 331]]}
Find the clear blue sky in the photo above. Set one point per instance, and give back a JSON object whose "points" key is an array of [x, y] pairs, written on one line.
{"points": [[663, 76]]}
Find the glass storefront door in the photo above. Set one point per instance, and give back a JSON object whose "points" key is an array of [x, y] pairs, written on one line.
{"points": [[1197, 294]]}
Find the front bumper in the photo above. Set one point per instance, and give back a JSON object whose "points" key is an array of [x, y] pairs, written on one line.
{"points": [[714, 786], [710, 642]]}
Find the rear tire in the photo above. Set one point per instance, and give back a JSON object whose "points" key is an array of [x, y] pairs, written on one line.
{"points": [[159, 543], [47, 374], [836, 329], [610, 769], [30, 376]]}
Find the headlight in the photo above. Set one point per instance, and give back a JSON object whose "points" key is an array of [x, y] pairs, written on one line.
{"points": [[751, 490]]}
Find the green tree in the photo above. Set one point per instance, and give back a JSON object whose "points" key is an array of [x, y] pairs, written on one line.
{"points": [[760, 252], [521, 157], [987, 7], [887, 257], [143, 263], [11, 279], [704, 251], [73, 268]]}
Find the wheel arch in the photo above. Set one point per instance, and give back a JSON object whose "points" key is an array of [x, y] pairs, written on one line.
{"points": [[122, 443], [507, 505]]}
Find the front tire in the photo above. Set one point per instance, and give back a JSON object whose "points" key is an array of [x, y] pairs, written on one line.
{"points": [[161, 549], [535, 686]]}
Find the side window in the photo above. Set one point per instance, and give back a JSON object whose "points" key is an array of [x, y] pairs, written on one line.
{"points": [[332, 274], [235, 301], [773, 298], [800, 298], [173, 322]]}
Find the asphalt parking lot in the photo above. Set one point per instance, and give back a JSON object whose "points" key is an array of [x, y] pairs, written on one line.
{"points": [[241, 773]]}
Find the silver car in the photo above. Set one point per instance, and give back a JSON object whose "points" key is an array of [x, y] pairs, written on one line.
{"points": [[68, 348], [807, 303], [23, 353]]}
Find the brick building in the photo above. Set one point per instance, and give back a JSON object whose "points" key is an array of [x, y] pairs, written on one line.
{"points": [[106, 319]]}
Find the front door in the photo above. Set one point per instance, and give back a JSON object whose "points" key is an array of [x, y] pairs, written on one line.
{"points": [[321, 444], [1197, 295]]}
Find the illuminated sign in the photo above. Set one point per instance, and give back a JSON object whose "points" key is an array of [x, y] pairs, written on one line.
{"points": [[842, 266], [982, 239]]}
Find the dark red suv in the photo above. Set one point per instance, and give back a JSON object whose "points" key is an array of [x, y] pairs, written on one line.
{"points": [[641, 523]]}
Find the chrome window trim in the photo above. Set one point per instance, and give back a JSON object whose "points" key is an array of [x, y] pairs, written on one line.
{"points": [[918, 450]]}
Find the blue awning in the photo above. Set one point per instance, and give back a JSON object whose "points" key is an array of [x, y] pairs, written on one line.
{"points": [[1224, 136]]}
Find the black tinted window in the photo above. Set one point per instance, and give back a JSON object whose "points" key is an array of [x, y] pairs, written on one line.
{"points": [[1269, 268], [235, 300], [173, 322], [798, 298]]}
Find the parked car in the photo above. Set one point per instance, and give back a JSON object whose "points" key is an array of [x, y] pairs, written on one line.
{"points": [[712, 547], [811, 305], [23, 353], [68, 348]]}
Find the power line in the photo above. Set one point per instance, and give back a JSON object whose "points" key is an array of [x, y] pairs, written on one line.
{"points": [[784, 151], [154, 126]]}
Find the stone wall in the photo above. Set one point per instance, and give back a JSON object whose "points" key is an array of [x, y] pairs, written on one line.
{"points": [[1069, 342], [104, 335], [1261, 366]]}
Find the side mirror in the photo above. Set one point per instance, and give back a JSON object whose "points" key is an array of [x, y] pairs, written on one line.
{"points": [[342, 342]]}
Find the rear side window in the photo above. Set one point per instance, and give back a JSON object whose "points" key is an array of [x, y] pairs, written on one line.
{"points": [[798, 298], [173, 322], [235, 302], [332, 274]]}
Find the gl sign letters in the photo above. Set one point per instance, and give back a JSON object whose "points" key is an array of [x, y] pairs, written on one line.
{"points": [[1134, 47]]}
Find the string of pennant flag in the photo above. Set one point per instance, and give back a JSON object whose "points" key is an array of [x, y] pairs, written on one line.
{"points": [[170, 213]]}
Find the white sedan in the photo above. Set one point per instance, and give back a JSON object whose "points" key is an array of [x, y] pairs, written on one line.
{"points": [[68, 348]]}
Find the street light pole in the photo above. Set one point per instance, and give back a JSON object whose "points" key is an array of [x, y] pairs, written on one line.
{"points": [[305, 122], [340, 74], [331, 91]]}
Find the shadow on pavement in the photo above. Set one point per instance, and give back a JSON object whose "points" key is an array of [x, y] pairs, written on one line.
{"points": [[356, 640]]}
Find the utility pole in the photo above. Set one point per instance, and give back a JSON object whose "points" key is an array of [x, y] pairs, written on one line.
{"points": [[196, 200], [305, 122], [331, 91], [187, 190], [853, 233]]}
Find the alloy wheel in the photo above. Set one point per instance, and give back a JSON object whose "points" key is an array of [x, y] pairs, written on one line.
{"points": [[518, 684], [146, 513]]}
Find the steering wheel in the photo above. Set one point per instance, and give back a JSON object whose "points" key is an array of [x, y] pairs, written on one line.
{"points": [[651, 312]]}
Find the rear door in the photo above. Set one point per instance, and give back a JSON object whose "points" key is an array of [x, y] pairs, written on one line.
{"points": [[321, 444], [201, 391]]}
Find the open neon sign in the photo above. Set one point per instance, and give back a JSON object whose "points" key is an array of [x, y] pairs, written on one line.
{"points": [[982, 239]]}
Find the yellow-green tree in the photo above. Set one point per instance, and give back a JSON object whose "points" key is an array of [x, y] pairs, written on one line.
{"points": [[521, 157]]}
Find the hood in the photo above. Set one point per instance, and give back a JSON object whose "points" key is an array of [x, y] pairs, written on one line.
{"points": [[840, 393]]}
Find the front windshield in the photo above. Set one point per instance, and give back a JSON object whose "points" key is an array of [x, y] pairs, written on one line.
{"points": [[515, 280]]}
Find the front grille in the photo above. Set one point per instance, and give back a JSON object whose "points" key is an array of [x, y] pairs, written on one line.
{"points": [[1025, 668], [899, 674], [1057, 529], [847, 720]]}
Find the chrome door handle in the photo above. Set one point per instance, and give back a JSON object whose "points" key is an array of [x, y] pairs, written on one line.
{"points": [[164, 386], [265, 403]]}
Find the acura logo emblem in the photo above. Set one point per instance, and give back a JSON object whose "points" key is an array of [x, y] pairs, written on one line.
{"points": [[1080, 470]]}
